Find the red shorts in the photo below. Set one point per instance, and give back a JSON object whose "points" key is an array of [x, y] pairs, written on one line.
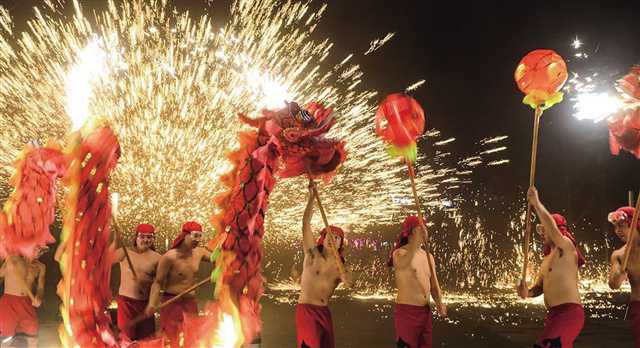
{"points": [[413, 326], [129, 309], [314, 326], [562, 325], [634, 322], [172, 316], [17, 315]]}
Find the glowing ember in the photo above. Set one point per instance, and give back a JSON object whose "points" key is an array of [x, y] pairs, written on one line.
{"points": [[596, 106]]}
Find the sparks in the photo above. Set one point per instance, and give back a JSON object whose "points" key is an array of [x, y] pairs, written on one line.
{"points": [[596, 106], [415, 86], [377, 43]]}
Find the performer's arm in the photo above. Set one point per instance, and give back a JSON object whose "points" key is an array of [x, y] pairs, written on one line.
{"points": [[40, 289], [435, 287], [616, 274], [164, 265], [537, 289], [3, 266], [118, 253], [58, 255], [307, 235], [547, 221], [347, 278], [206, 254]]}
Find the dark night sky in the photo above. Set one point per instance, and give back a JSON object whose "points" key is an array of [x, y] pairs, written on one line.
{"points": [[467, 52]]}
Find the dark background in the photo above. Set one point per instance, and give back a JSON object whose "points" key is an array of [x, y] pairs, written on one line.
{"points": [[467, 52]]}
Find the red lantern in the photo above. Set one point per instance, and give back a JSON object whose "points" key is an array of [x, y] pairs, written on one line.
{"points": [[540, 75], [399, 122]]}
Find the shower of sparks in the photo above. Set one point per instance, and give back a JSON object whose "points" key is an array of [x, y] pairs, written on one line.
{"points": [[497, 149], [493, 139], [499, 162], [576, 43], [415, 86], [596, 106], [171, 88], [444, 142], [377, 43]]}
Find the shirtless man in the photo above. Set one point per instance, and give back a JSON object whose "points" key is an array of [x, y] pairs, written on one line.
{"points": [[416, 284], [176, 271], [557, 279], [621, 220], [133, 296], [320, 277], [18, 304]]}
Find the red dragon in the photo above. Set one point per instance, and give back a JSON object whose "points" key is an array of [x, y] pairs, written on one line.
{"points": [[287, 143]]}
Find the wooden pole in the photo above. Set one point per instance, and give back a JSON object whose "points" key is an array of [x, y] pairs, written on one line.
{"points": [[140, 318], [420, 219], [632, 234], [532, 176], [630, 198], [326, 225]]}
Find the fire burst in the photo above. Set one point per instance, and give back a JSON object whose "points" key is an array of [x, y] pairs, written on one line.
{"points": [[171, 87]]}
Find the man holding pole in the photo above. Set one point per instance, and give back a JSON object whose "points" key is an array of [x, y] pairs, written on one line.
{"points": [[322, 271], [135, 284], [175, 275], [416, 284], [557, 279], [18, 304], [621, 220]]}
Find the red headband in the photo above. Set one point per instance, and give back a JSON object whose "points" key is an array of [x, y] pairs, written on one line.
{"points": [[408, 225], [145, 228], [623, 214], [561, 223], [187, 227]]}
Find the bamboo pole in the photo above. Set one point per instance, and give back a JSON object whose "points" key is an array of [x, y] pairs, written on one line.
{"points": [[326, 225], [421, 221], [532, 175], [142, 317]]}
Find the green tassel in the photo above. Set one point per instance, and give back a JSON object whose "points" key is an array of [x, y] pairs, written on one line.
{"points": [[408, 152]]}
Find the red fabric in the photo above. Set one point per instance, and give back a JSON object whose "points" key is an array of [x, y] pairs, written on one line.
{"points": [[562, 325], [542, 73], [145, 228], [172, 316], [17, 315], [634, 322], [314, 326], [413, 326], [187, 228], [561, 222], [623, 214], [409, 223], [128, 309], [624, 132], [399, 120]]}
